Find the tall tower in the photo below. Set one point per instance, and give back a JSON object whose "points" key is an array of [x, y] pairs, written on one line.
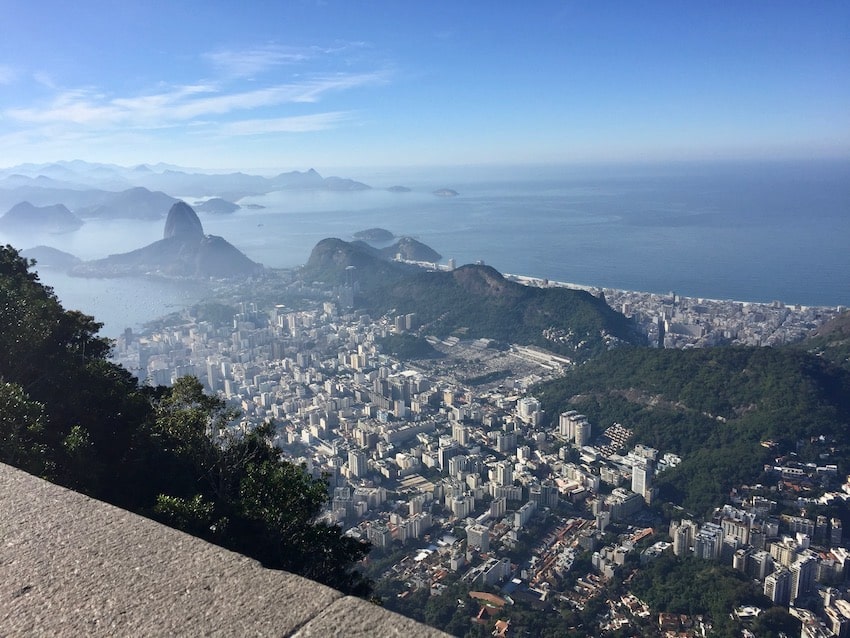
{"points": [[683, 534], [582, 430], [803, 574], [777, 586], [504, 473], [642, 473], [478, 536], [357, 463]]}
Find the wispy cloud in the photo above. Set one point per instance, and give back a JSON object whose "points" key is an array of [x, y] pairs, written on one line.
{"points": [[7, 74], [230, 106], [249, 62], [44, 79], [246, 63], [294, 124], [181, 104]]}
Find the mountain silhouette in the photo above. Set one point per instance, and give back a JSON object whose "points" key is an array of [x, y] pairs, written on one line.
{"points": [[184, 251]]}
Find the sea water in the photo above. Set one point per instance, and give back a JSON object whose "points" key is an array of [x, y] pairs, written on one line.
{"points": [[744, 230]]}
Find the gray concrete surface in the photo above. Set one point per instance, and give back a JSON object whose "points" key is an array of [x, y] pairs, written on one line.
{"points": [[71, 565]]}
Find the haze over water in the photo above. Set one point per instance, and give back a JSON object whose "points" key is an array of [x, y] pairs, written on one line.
{"points": [[745, 231]]}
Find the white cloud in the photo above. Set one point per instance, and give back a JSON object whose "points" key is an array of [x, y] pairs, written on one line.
{"points": [[247, 63], [294, 124], [45, 79], [181, 104], [225, 112], [250, 62]]}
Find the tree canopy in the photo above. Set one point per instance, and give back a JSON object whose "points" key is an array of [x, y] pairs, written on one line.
{"points": [[714, 407], [71, 416]]}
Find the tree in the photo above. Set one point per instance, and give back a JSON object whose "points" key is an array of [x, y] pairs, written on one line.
{"points": [[70, 415], [776, 622], [237, 491], [21, 423]]}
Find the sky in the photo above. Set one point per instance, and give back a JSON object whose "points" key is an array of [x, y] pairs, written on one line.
{"points": [[297, 84]]}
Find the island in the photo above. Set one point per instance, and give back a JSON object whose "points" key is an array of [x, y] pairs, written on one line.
{"points": [[49, 257], [374, 235], [446, 192], [216, 206]]}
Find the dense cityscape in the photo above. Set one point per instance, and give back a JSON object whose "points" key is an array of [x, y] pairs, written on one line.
{"points": [[333, 412], [453, 472]]}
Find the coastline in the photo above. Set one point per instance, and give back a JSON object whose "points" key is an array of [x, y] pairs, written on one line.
{"points": [[544, 283], [670, 320], [541, 282]]}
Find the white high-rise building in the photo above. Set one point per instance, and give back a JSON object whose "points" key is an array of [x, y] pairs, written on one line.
{"points": [[478, 536], [777, 586], [357, 463], [582, 433], [642, 473], [460, 433], [803, 573], [504, 473]]}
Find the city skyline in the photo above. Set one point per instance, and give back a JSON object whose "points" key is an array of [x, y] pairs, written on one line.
{"points": [[333, 84]]}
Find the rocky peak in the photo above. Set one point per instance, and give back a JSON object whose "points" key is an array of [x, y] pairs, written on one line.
{"points": [[182, 222]]}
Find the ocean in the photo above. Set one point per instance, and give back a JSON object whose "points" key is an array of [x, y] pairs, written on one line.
{"points": [[723, 230]]}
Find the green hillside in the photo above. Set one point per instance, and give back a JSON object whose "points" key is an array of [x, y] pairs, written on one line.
{"points": [[474, 301], [715, 407], [831, 341]]}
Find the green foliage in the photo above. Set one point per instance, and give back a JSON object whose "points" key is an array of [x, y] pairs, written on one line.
{"points": [[713, 407], [56, 360], [21, 425], [483, 303], [407, 346], [692, 586], [37, 333], [218, 314], [68, 414], [775, 623], [474, 299], [194, 515], [239, 493]]}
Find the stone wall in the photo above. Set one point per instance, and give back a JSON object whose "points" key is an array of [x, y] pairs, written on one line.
{"points": [[71, 565]]}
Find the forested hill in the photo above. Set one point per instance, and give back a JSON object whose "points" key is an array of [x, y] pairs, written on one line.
{"points": [[714, 407], [831, 341], [475, 301]]}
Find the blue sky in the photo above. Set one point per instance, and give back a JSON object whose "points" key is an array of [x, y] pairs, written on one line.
{"points": [[332, 83]]}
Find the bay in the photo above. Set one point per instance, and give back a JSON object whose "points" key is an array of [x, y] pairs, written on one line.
{"points": [[723, 230]]}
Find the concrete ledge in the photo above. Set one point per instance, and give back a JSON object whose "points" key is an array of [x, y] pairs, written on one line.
{"points": [[71, 565]]}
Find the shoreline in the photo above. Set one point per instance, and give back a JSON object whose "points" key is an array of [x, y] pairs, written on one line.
{"points": [[544, 283]]}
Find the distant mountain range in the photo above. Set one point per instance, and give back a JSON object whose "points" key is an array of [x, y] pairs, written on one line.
{"points": [[135, 203], [184, 251], [106, 190], [79, 175]]}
